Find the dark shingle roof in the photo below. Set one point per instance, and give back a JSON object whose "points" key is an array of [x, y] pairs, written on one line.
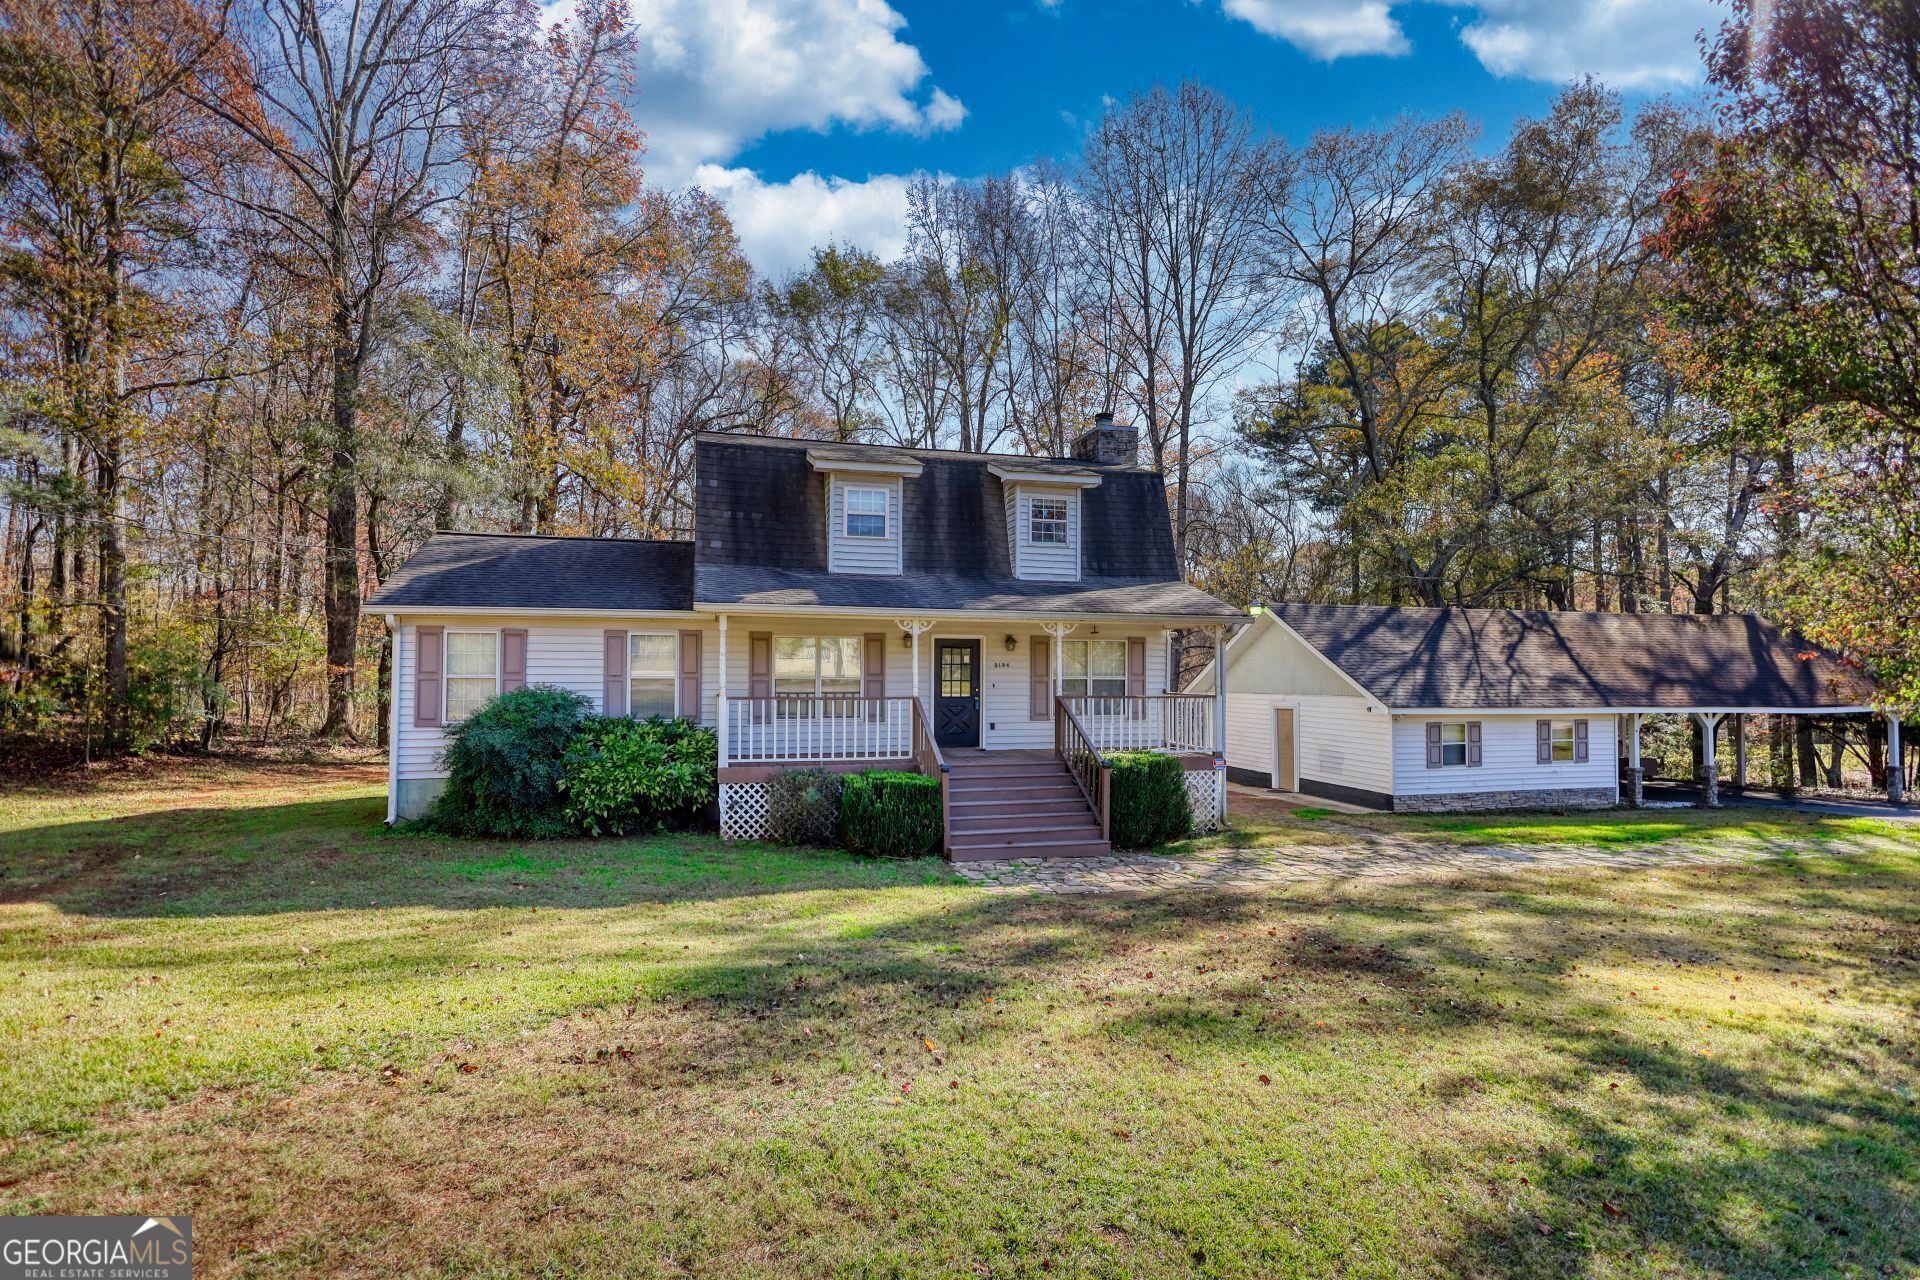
{"points": [[524, 571], [757, 585], [760, 502], [1491, 658]]}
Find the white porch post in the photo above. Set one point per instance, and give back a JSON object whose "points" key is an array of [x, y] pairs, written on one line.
{"points": [[1709, 723], [915, 627], [1896, 781], [1636, 776], [1059, 631], [393, 725], [1220, 635], [720, 695]]}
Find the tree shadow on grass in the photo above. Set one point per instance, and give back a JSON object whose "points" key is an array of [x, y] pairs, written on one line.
{"points": [[335, 855]]}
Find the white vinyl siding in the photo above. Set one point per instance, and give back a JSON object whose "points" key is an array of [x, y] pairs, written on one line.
{"points": [[569, 654], [860, 554], [1051, 561], [1340, 740], [1509, 755], [653, 674]]}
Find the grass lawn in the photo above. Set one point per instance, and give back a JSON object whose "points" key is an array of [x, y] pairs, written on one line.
{"points": [[230, 993], [1263, 822]]}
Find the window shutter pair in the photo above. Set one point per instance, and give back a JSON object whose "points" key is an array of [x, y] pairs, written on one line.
{"points": [[1436, 753], [430, 670], [1543, 741], [1040, 679], [613, 674]]}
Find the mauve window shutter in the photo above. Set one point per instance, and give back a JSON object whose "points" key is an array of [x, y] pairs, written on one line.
{"points": [[1040, 679], [1434, 757], [1137, 674], [873, 672], [1580, 741], [1473, 744], [429, 669], [513, 659], [613, 700], [690, 694], [1543, 741], [760, 664]]}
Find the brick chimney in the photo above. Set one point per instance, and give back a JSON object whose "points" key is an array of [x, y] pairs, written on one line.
{"points": [[1106, 444]]}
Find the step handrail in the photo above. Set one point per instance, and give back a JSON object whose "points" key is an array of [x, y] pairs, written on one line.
{"points": [[928, 757], [1091, 770]]}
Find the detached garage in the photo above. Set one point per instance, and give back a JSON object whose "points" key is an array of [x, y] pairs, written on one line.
{"points": [[1450, 709]]}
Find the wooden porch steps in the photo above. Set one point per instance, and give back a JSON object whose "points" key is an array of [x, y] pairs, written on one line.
{"points": [[1019, 805]]}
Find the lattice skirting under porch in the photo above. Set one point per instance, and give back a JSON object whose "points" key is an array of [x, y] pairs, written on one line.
{"points": [[743, 810], [1203, 793]]}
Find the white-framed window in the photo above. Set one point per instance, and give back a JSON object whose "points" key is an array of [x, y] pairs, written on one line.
{"points": [[473, 673], [1561, 739], [866, 512], [823, 666], [1047, 522], [653, 674], [1453, 745], [1093, 668]]}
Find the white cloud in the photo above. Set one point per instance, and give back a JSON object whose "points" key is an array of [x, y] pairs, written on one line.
{"points": [[1632, 44], [779, 223], [1325, 28], [713, 75]]}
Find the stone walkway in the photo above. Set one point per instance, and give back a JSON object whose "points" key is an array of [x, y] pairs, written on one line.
{"points": [[1375, 858]]}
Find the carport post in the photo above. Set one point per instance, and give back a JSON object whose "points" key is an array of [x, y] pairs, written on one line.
{"points": [[1896, 783], [1739, 752], [1636, 776], [1709, 723]]}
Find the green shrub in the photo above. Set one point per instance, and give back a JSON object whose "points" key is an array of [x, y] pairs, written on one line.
{"points": [[891, 815], [803, 806], [504, 764], [626, 775], [1149, 800]]}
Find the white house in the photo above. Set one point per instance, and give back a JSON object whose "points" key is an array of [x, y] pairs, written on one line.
{"points": [[1442, 709], [1000, 621]]}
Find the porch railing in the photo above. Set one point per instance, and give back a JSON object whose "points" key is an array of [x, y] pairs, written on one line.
{"points": [[1084, 761], [1153, 722], [765, 730], [930, 761]]}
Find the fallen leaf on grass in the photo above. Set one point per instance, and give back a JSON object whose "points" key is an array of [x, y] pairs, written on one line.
{"points": [[1613, 1210]]}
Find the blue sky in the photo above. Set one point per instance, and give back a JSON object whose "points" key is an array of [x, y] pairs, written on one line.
{"points": [[809, 116]]}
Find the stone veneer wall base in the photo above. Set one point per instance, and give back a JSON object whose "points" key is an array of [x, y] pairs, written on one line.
{"points": [[1472, 801]]}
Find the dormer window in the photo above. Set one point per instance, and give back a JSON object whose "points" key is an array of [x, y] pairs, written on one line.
{"points": [[1047, 525], [866, 512]]}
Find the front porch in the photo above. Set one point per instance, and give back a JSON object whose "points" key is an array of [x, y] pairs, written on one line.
{"points": [[1018, 718]]}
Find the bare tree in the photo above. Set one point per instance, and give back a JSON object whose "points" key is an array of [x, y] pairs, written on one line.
{"points": [[356, 106], [1176, 184]]}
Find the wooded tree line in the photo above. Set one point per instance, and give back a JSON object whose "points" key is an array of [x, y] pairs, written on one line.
{"points": [[291, 283]]}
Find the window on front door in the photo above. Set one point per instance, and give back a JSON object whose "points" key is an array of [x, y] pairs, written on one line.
{"points": [[1093, 668], [823, 666], [652, 675]]}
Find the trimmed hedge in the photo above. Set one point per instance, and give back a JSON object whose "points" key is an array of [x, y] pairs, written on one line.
{"points": [[885, 814], [1149, 800], [504, 764], [627, 775], [803, 806]]}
